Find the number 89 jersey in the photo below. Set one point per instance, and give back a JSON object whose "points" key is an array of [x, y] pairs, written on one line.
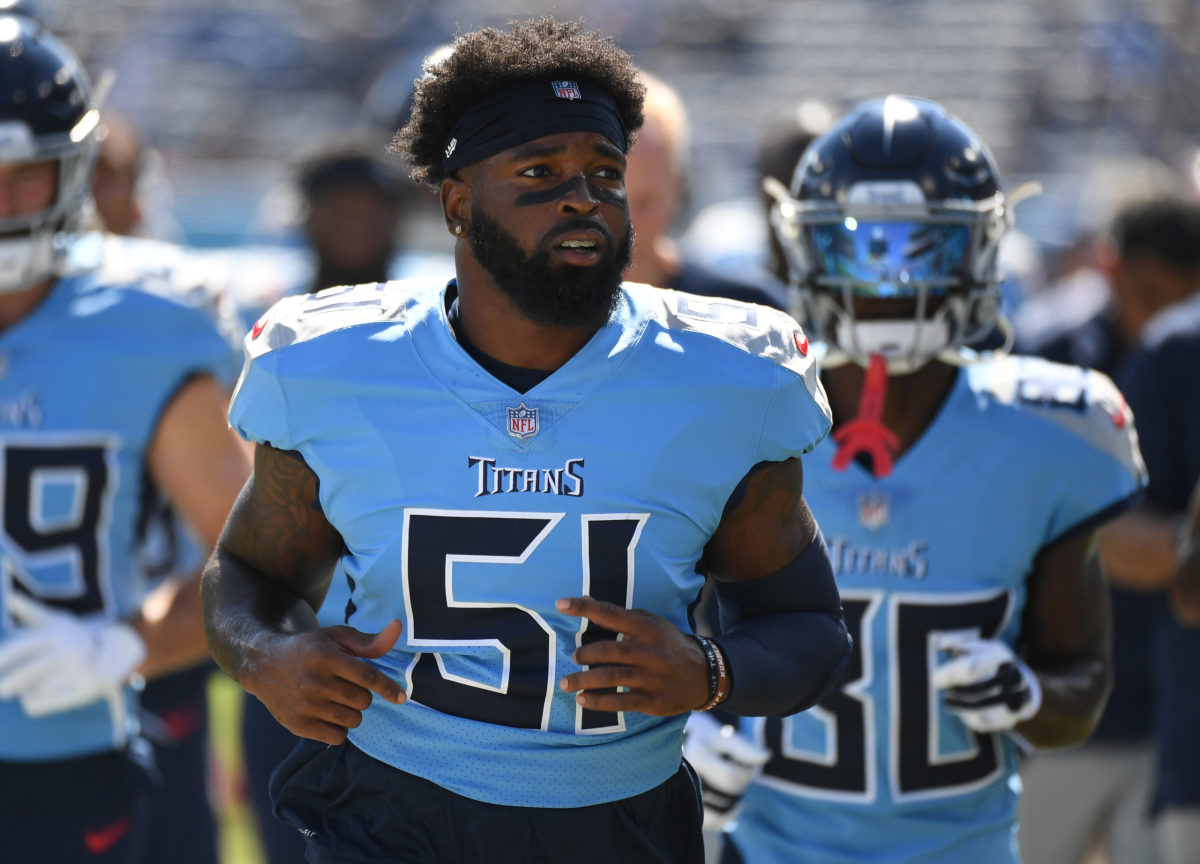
{"points": [[85, 378], [468, 509], [1022, 453]]}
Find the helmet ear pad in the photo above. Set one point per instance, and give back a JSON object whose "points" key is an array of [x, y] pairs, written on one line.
{"points": [[46, 114], [899, 199]]}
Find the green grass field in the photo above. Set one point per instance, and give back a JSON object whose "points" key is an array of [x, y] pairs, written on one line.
{"points": [[235, 820]]}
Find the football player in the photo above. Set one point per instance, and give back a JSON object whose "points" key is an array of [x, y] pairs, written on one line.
{"points": [[960, 495], [522, 475], [110, 387]]}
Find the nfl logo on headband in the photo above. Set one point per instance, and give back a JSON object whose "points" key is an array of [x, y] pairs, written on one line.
{"points": [[566, 89]]}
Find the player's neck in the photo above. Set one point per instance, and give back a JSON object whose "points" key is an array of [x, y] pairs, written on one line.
{"points": [[912, 401], [495, 326], [15, 306]]}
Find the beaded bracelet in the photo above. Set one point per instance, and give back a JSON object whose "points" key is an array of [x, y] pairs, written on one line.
{"points": [[718, 677]]}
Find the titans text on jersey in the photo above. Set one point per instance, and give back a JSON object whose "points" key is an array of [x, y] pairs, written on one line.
{"points": [[494, 479], [469, 519]]}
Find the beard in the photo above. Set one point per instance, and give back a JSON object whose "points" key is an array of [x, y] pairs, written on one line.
{"points": [[548, 293]]}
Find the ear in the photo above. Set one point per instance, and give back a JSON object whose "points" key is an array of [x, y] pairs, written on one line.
{"points": [[456, 204]]}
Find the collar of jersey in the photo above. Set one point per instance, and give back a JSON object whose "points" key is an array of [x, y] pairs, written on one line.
{"points": [[595, 362]]}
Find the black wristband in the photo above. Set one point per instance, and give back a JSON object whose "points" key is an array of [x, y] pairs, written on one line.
{"points": [[718, 675]]}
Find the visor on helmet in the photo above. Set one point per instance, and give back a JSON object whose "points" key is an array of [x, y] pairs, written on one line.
{"points": [[890, 259]]}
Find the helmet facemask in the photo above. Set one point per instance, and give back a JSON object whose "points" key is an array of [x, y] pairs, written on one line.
{"points": [[33, 246], [47, 114], [889, 273]]}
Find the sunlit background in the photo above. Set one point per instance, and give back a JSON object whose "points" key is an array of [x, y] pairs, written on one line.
{"points": [[1063, 90], [1095, 99]]}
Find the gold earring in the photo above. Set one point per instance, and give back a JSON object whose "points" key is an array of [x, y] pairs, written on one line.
{"points": [[458, 229]]}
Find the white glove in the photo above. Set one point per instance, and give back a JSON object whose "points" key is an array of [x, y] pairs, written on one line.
{"points": [[58, 661], [726, 762], [986, 684]]}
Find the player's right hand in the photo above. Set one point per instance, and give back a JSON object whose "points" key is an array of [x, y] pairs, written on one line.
{"points": [[316, 683], [985, 684], [726, 762]]}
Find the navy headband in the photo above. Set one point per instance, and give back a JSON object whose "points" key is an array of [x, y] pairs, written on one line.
{"points": [[533, 109]]}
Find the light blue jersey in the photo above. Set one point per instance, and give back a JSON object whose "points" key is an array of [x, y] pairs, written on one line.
{"points": [[85, 379], [468, 508], [256, 278], [1022, 453]]}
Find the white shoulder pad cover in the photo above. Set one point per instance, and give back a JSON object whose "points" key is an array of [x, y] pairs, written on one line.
{"points": [[160, 268], [1083, 401], [758, 330], [306, 316]]}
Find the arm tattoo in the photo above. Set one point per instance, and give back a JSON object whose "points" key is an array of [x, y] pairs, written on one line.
{"points": [[282, 528], [776, 478]]}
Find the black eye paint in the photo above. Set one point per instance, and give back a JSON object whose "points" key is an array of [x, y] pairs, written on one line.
{"points": [[611, 197]]}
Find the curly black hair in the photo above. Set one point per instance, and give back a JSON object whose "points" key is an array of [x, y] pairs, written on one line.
{"points": [[485, 61]]}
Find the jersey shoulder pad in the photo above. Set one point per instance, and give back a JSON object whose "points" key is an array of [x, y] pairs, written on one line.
{"points": [[304, 317], [1081, 401], [160, 268], [758, 330]]}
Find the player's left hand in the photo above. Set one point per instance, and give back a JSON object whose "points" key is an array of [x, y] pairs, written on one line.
{"points": [[986, 684], [58, 661], [662, 669]]}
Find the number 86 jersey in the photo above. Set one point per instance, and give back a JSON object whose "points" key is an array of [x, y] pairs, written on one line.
{"points": [[1022, 454], [468, 509]]}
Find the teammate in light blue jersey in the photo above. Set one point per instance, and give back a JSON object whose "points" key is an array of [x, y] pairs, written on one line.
{"points": [[109, 387], [526, 476], [960, 503]]}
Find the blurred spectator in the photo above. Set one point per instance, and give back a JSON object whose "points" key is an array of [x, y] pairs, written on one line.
{"points": [[129, 187], [1164, 392], [1100, 793], [1141, 267], [351, 208], [115, 181], [736, 236], [1078, 307], [352, 215], [654, 181], [1158, 264]]}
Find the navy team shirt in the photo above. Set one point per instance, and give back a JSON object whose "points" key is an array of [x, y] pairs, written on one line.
{"points": [[1163, 389]]}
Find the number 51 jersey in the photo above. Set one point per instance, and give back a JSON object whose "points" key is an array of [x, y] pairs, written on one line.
{"points": [[468, 509], [1022, 454]]}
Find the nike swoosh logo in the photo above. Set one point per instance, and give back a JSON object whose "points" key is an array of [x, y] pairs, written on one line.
{"points": [[258, 327], [99, 842]]}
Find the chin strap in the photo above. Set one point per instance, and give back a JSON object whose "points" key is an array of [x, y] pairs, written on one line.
{"points": [[866, 432]]}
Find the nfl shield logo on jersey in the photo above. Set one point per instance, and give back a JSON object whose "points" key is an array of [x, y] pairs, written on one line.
{"points": [[873, 510], [523, 422], [566, 89]]}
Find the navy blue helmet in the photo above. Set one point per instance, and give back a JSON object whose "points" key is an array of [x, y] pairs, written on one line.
{"points": [[892, 227], [46, 115]]}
